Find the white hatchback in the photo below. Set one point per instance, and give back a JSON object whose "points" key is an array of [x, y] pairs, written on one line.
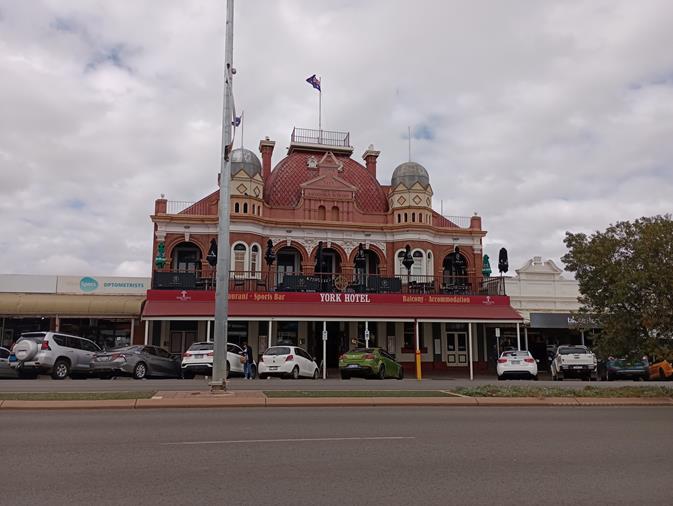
{"points": [[287, 361], [516, 363], [198, 359]]}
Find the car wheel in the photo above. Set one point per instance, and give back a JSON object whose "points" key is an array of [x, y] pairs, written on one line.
{"points": [[140, 371], [187, 374], [400, 375], [382, 372], [61, 369], [316, 374], [295, 372], [559, 376], [345, 376], [499, 377]]}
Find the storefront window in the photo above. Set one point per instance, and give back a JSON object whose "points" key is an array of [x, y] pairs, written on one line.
{"points": [[107, 334], [288, 333]]}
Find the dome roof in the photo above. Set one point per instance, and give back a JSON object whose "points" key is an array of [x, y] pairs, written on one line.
{"points": [[283, 187], [244, 159], [410, 173]]}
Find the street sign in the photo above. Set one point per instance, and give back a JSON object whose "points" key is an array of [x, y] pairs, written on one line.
{"points": [[497, 332], [324, 335], [366, 334]]}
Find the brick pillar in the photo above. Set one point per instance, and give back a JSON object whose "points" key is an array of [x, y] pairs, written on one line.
{"points": [[370, 157], [266, 148], [475, 222], [160, 205]]}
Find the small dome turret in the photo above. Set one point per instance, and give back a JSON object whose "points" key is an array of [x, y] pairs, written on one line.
{"points": [[246, 160], [410, 173]]}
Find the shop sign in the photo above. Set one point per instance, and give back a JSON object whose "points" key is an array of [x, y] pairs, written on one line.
{"points": [[102, 285]]}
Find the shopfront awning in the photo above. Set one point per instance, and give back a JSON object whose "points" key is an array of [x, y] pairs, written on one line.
{"points": [[16, 305], [316, 306]]}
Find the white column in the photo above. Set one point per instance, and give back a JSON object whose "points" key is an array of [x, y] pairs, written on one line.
{"points": [[132, 330], [582, 338], [518, 336], [147, 332], [270, 332], [324, 350], [367, 335], [469, 350], [525, 337], [208, 330]]}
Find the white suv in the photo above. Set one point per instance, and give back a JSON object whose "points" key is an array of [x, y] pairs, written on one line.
{"points": [[52, 353], [198, 359]]}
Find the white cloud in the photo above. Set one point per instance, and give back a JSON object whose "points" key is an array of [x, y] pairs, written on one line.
{"points": [[542, 116]]}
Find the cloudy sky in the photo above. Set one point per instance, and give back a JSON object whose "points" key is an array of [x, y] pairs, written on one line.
{"points": [[542, 117]]}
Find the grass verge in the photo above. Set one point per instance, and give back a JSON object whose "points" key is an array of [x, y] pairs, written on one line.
{"points": [[587, 391], [73, 396], [354, 393]]}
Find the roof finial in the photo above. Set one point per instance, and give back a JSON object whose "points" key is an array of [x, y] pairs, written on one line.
{"points": [[409, 128]]}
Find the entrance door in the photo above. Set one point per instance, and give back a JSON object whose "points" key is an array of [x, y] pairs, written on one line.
{"points": [[456, 349], [181, 340]]}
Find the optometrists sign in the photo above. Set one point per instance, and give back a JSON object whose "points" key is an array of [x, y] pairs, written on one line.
{"points": [[98, 285]]}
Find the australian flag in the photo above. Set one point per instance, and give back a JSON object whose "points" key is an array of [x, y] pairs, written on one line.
{"points": [[237, 121], [314, 81]]}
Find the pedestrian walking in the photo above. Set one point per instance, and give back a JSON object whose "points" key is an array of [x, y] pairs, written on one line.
{"points": [[246, 358]]}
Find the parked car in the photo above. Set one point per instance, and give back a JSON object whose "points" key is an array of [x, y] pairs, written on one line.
{"points": [[287, 361], [661, 370], [52, 353], [619, 368], [137, 361], [5, 370], [518, 363], [574, 362], [198, 359], [369, 362]]}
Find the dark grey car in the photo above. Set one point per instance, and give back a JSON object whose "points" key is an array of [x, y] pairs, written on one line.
{"points": [[137, 361]]}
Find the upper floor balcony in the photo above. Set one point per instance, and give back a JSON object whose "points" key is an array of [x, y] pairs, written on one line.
{"points": [[343, 282]]}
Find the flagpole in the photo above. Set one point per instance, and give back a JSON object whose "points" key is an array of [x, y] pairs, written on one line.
{"points": [[320, 107], [242, 127]]}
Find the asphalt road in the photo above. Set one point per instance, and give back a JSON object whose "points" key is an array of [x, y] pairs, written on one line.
{"points": [[46, 384], [339, 456]]}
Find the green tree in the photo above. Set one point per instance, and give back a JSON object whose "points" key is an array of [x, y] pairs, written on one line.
{"points": [[625, 277]]}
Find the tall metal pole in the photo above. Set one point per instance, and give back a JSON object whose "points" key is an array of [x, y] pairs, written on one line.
{"points": [[219, 380], [320, 107]]}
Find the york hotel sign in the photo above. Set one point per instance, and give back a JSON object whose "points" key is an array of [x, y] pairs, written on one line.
{"points": [[358, 298]]}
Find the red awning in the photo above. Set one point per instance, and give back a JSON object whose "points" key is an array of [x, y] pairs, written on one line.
{"points": [[309, 306]]}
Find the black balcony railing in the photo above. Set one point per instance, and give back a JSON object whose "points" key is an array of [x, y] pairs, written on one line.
{"points": [[320, 137], [346, 282]]}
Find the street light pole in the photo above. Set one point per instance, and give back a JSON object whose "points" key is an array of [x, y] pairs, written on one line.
{"points": [[219, 380]]}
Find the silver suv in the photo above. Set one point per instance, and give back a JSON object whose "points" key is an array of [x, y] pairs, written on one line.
{"points": [[52, 353]]}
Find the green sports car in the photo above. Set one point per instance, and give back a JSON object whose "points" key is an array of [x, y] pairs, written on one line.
{"points": [[369, 362]]}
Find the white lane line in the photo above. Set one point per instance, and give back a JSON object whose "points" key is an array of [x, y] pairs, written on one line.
{"points": [[289, 440]]}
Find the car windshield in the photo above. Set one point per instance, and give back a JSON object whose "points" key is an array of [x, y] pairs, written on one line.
{"points": [[278, 350], [572, 350], [518, 354], [201, 346], [364, 350], [126, 349], [36, 337]]}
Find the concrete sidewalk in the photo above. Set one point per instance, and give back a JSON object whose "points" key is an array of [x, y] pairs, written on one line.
{"points": [[257, 398]]}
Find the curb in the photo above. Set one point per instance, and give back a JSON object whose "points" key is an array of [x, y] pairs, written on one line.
{"points": [[339, 402]]}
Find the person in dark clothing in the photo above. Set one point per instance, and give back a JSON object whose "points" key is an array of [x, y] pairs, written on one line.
{"points": [[247, 365]]}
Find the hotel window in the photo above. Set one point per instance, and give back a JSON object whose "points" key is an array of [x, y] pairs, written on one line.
{"points": [[245, 208], [322, 213], [409, 337], [335, 213], [254, 259], [238, 258], [237, 207], [417, 268]]}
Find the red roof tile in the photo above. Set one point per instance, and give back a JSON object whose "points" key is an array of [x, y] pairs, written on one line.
{"points": [[283, 188]]}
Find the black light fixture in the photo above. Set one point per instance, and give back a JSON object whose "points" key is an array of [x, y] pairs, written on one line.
{"points": [[211, 257], [269, 256]]}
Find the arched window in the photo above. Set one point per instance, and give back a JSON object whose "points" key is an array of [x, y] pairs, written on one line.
{"points": [[420, 218], [254, 209], [418, 269], [237, 207], [255, 266], [413, 217], [399, 218], [405, 217], [322, 213], [186, 257], [245, 208], [335, 213], [429, 268], [238, 259], [400, 269]]}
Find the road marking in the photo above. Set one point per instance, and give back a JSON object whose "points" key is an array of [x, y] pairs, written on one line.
{"points": [[289, 440]]}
